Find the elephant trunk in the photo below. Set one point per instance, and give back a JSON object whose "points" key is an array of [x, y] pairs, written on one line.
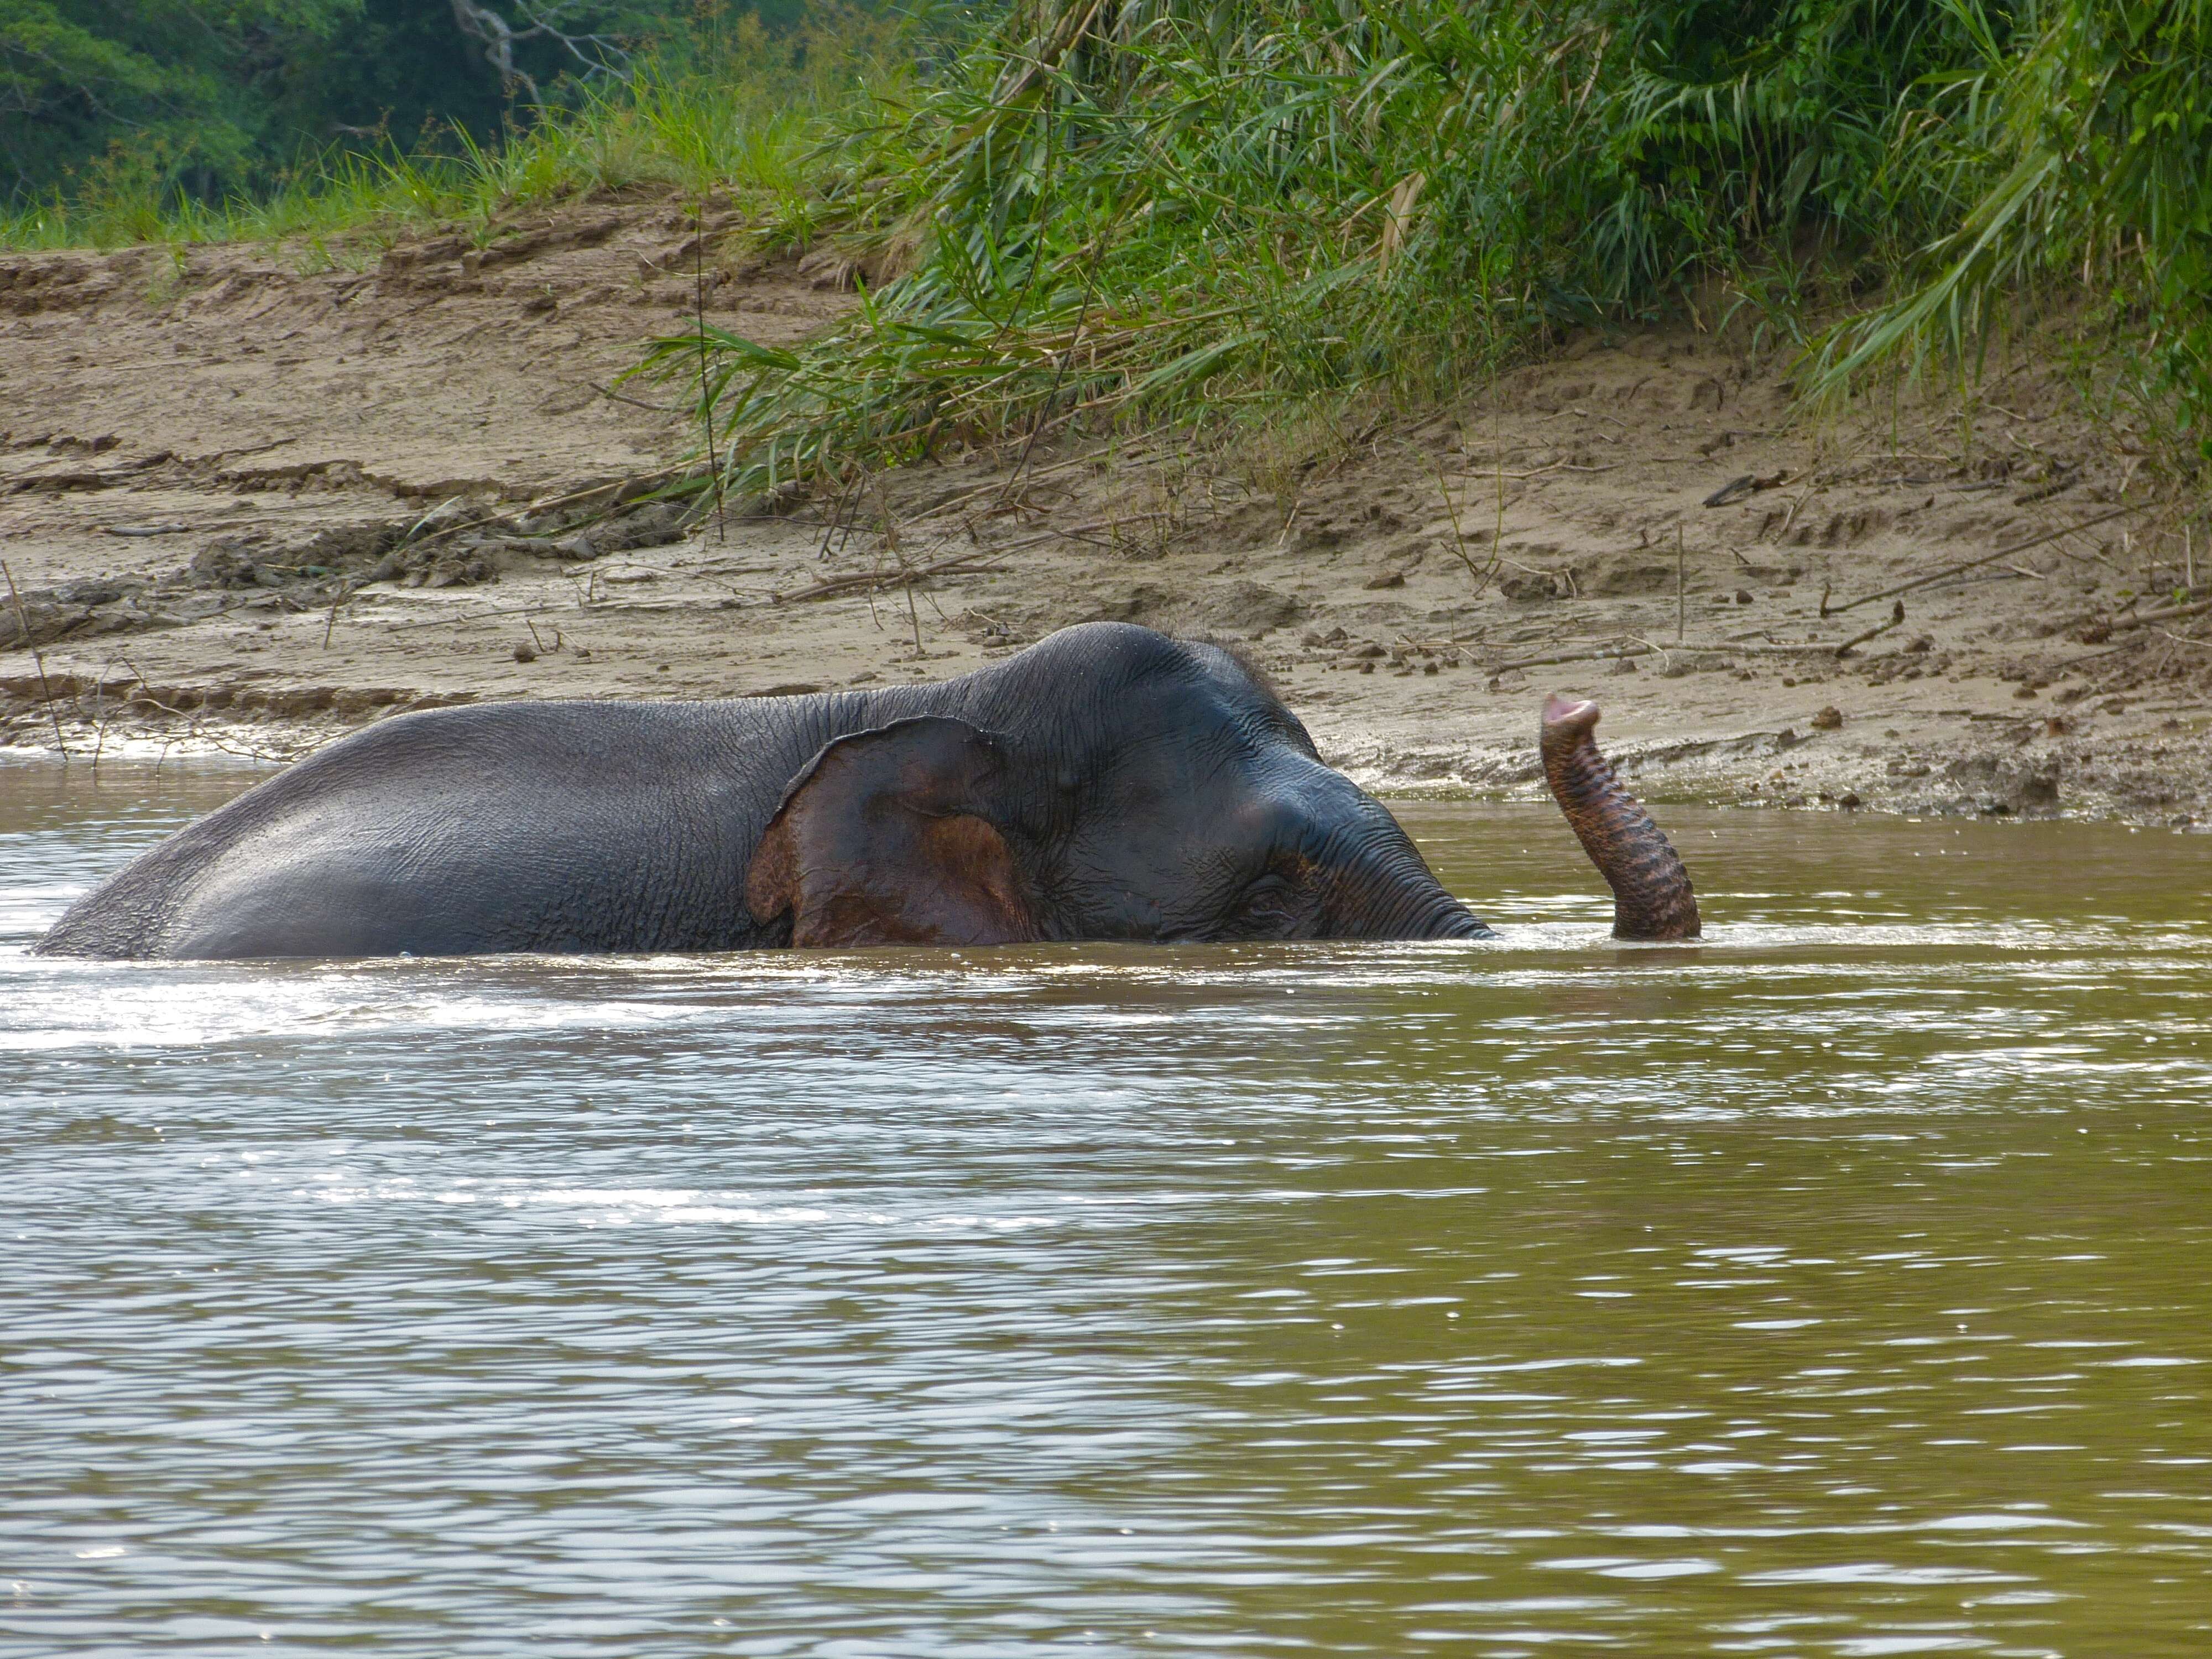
{"points": [[1651, 894]]}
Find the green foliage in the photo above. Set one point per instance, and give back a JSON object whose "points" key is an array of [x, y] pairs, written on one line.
{"points": [[1171, 207], [218, 98], [732, 111], [1065, 210], [2075, 155], [172, 78]]}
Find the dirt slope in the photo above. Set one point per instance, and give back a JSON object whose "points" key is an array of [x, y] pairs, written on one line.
{"points": [[215, 482]]}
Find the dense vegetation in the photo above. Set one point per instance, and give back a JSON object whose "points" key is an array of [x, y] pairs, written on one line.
{"points": [[1172, 206], [704, 100], [1092, 209], [210, 98]]}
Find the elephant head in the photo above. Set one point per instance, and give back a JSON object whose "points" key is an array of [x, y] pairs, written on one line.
{"points": [[1112, 783]]}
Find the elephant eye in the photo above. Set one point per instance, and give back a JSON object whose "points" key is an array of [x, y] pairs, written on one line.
{"points": [[1268, 907]]}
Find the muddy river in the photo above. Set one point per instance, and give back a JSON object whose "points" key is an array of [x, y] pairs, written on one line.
{"points": [[1837, 1286]]}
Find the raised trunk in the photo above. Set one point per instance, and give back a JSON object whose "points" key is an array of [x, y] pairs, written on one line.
{"points": [[1651, 893]]}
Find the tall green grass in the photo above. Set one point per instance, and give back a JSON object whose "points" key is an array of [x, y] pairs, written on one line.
{"points": [[1164, 208], [1086, 211], [1160, 209], [2072, 155]]}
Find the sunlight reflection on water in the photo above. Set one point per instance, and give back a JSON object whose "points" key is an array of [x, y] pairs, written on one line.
{"points": [[1832, 1286]]}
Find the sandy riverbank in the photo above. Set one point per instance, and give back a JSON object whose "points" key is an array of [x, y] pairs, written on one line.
{"points": [[207, 474]]}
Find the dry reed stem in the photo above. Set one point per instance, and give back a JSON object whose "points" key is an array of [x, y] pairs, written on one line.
{"points": [[38, 659]]}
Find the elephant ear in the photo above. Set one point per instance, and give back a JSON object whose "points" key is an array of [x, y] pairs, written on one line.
{"points": [[888, 837]]}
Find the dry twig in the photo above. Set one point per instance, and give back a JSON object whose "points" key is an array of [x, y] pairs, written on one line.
{"points": [[38, 659], [1987, 558]]}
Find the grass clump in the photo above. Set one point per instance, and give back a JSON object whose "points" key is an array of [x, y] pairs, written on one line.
{"points": [[2072, 154], [1065, 212], [1165, 209]]}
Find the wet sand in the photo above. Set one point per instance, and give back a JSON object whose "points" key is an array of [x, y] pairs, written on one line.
{"points": [[214, 480]]}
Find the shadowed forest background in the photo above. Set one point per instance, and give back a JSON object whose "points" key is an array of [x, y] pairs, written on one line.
{"points": [[1072, 210], [213, 98]]}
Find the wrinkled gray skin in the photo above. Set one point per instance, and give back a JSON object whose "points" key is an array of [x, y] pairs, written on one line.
{"points": [[1148, 788]]}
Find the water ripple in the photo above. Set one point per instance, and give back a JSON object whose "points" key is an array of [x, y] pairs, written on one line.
{"points": [[1831, 1286]]}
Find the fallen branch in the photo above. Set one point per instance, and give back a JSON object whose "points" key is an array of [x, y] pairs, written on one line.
{"points": [[635, 403], [1579, 656], [2088, 656], [1693, 647], [1988, 558], [1896, 620], [1749, 484], [2171, 613], [550, 605], [2096, 626], [1563, 466], [872, 579], [542, 503], [1813, 650], [960, 563], [1136, 458], [95, 479]]}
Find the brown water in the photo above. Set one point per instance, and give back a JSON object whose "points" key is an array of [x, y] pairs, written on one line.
{"points": [[1837, 1286]]}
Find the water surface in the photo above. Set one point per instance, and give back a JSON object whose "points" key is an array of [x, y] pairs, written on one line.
{"points": [[1837, 1286]]}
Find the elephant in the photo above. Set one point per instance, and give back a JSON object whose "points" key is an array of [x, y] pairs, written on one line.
{"points": [[1108, 783]]}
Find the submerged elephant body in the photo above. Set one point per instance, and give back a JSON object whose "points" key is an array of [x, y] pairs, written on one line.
{"points": [[1108, 783]]}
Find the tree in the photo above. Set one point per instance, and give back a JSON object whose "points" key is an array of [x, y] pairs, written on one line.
{"points": [[160, 75], [215, 95]]}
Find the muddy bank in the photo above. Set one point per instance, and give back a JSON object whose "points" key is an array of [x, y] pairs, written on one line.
{"points": [[248, 504]]}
